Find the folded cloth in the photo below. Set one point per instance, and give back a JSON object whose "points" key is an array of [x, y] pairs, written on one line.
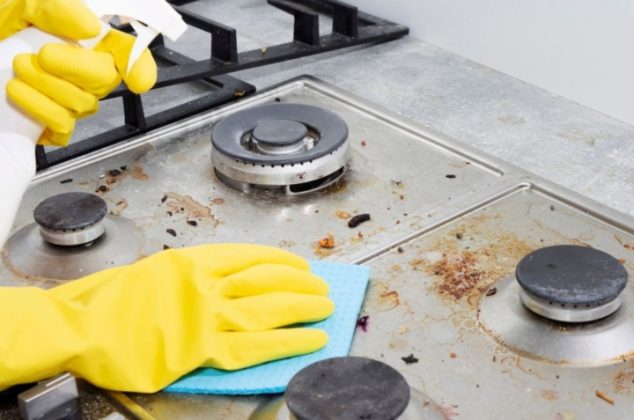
{"points": [[347, 289]]}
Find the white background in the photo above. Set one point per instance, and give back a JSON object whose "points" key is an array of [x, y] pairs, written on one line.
{"points": [[582, 50]]}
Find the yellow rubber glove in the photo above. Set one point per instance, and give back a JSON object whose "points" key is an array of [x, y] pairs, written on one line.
{"points": [[63, 82], [140, 327]]}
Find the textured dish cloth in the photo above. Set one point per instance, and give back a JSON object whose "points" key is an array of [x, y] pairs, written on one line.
{"points": [[347, 289]]}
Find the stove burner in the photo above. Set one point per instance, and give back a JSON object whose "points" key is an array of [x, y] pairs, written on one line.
{"points": [[293, 148], [347, 388], [71, 219], [279, 136], [571, 283], [72, 237]]}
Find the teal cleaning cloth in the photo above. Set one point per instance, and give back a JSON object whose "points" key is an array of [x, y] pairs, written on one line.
{"points": [[347, 289]]}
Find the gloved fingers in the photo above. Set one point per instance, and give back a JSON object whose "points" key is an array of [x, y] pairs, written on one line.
{"points": [[67, 18], [272, 310], [142, 76], [68, 95], [51, 138], [266, 278], [244, 349], [40, 107], [92, 71]]}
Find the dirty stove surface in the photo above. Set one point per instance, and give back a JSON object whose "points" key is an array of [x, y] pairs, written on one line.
{"points": [[448, 227]]}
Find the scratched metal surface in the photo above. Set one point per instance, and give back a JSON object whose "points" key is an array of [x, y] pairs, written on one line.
{"points": [[482, 221]]}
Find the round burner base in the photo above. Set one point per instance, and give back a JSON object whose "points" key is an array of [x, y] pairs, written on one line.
{"points": [[504, 317], [30, 255]]}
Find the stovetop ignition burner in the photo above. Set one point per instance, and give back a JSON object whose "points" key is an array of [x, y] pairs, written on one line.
{"points": [[287, 148], [73, 236], [571, 283], [71, 219]]}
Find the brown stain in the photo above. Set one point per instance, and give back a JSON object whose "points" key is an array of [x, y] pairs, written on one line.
{"points": [[390, 298], [624, 382], [624, 244], [137, 172], [467, 269], [549, 394], [185, 204], [602, 395], [344, 215], [396, 268], [380, 298], [324, 246], [114, 176], [119, 206], [338, 187]]}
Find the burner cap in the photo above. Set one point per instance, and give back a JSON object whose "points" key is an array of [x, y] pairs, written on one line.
{"points": [[280, 125], [287, 148], [571, 283], [71, 218], [279, 132], [347, 388]]}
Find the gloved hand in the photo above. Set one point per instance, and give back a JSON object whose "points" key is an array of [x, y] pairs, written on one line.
{"points": [[140, 327], [63, 82]]}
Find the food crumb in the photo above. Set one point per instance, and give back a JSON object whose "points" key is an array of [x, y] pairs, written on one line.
{"points": [[277, 100], [66, 181], [450, 176], [604, 397], [218, 201], [123, 168], [358, 219], [102, 188], [494, 359], [492, 291], [363, 323], [458, 235], [363, 143], [192, 223], [552, 208], [343, 214], [327, 242], [453, 355], [169, 213], [403, 329], [114, 172], [400, 250], [621, 261], [166, 247], [163, 199], [171, 232], [409, 359]]}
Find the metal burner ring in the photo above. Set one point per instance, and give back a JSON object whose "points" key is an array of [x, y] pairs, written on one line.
{"points": [[569, 312]]}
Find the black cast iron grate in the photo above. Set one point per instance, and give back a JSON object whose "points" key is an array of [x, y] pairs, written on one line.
{"points": [[350, 27]]}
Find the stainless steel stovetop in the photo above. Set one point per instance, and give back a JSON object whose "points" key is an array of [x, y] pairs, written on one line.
{"points": [[440, 210]]}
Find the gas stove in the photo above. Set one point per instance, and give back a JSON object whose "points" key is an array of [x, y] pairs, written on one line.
{"points": [[494, 293]]}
